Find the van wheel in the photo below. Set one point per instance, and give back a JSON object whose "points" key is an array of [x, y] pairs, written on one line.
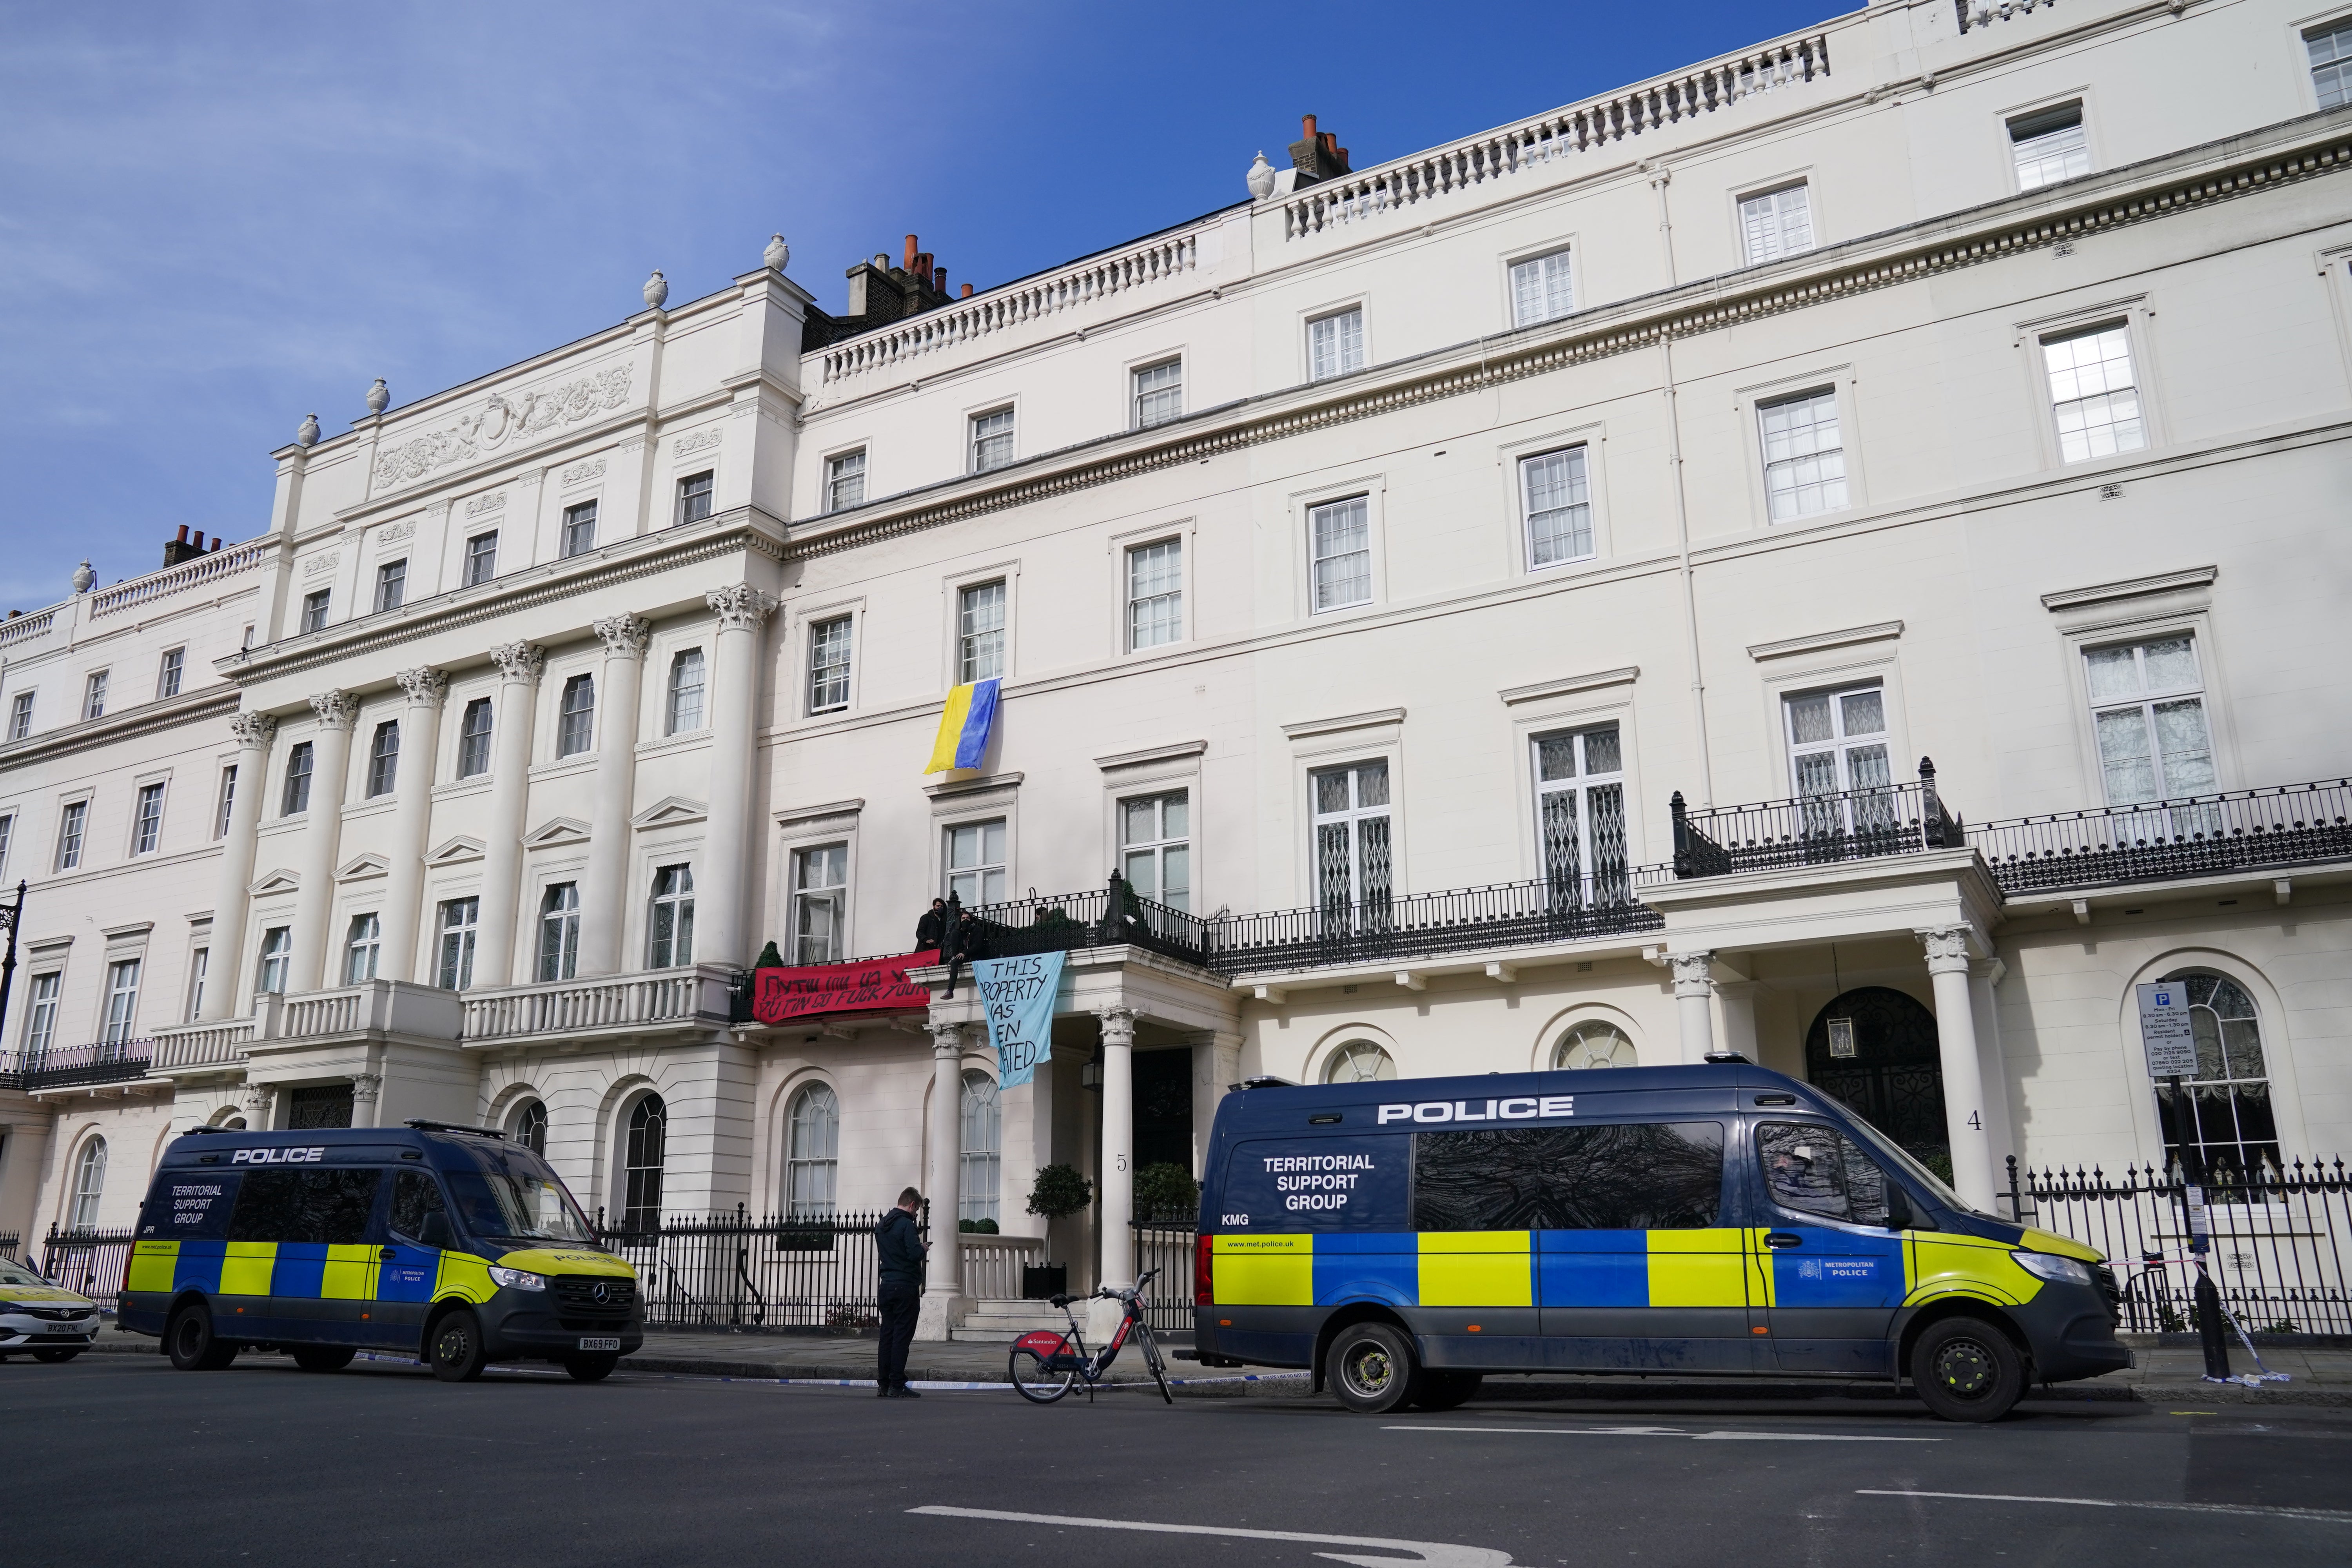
{"points": [[457, 1352], [1447, 1389], [53, 1357], [590, 1368], [323, 1358], [1966, 1369], [1371, 1368], [189, 1338]]}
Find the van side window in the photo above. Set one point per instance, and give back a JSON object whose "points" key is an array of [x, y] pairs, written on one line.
{"points": [[1650, 1175], [328, 1206], [1814, 1169], [414, 1195]]}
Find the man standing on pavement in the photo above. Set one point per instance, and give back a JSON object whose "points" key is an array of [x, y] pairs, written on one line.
{"points": [[899, 1246]]}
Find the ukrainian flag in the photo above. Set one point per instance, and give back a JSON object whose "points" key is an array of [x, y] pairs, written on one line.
{"points": [[965, 724]]}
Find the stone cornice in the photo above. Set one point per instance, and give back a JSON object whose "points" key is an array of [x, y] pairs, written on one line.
{"points": [[129, 724], [2181, 182]]}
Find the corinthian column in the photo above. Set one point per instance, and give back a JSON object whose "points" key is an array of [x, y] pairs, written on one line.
{"points": [[226, 990], [412, 819], [723, 886], [1955, 1041], [331, 767], [603, 888], [519, 668], [1694, 1002]]}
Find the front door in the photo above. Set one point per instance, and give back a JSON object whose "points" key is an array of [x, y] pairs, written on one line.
{"points": [[1832, 1272], [409, 1269]]}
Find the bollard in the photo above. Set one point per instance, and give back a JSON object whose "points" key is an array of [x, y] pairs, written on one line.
{"points": [[2210, 1331]]}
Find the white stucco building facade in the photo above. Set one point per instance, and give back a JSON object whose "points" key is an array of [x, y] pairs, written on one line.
{"points": [[1388, 552]]}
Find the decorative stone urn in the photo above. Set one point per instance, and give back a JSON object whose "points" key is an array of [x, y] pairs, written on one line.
{"points": [[656, 292], [83, 577], [777, 253], [379, 398], [307, 433], [1261, 179]]}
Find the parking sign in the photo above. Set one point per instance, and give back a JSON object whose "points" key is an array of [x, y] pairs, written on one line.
{"points": [[2165, 1030]]}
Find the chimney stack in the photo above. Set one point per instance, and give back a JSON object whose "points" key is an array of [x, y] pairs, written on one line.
{"points": [[178, 549], [1317, 154]]}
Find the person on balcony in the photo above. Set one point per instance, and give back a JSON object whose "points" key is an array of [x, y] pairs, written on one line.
{"points": [[898, 1245], [932, 929]]}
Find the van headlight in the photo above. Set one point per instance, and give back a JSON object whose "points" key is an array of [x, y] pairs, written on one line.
{"points": [[524, 1279], [2042, 1265]]}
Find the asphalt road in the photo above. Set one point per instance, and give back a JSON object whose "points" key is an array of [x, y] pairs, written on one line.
{"points": [[117, 1458]]}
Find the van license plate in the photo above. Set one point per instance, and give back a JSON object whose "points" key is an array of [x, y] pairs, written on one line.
{"points": [[600, 1344]]}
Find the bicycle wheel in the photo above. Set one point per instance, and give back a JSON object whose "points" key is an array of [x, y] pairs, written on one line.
{"points": [[1152, 1358], [1034, 1380]]}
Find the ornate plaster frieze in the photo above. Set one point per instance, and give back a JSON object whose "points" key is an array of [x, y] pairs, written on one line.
{"points": [[698, 441], [580, 474], [494, 500], [502, 423], [318, 563]]}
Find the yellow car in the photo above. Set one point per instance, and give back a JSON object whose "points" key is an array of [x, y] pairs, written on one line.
{"points": [[39, 1319]]}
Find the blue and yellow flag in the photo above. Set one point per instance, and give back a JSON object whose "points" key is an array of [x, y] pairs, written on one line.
{"points": [[965, 724]]}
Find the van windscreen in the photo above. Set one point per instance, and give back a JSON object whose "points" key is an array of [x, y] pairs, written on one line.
{"points": [[519, 1206], [1646, 1175]]}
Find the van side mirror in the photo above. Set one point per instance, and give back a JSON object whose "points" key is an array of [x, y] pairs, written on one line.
{"points": [[1898, 1208], [435, 1231]]}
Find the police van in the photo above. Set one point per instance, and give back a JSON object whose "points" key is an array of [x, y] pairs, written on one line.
{"points": [[1405, 1238], [445, 1243]]}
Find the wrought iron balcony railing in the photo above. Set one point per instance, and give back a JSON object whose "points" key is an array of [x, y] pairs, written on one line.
{"points": [[1814, 830], [67, 1067], [2202, 836], [1408, 927]]}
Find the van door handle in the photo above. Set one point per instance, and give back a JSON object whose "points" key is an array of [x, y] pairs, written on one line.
{"points": [[1783, 1238], [389, 1254]]}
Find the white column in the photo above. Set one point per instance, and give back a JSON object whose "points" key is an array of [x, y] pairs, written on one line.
{"points": [[1118, 1206], [605, 887], [519, 668], [722, 883], [228, 990], [1955, 1039], [1694, 1002], [366, 1088], [1216, 1064], [1984, 982], [1738, 1000], [260, 1099], [412, 819], [943, 1282], [314, 903]]}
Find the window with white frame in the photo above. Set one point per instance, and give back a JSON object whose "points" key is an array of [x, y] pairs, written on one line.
{"points": [[1804, 455], [1340, 534], [391, 585], [384, 759], [694, 493], [199, 963], [2048, 146], [314, 609], [296, 798], [93, 695], [1155, 847], [992, 439], [1581, 816], [845, 480], [2093, 395], [685, 699], [2225, 1113], [20, 715], [641, 1159], [88, 1186], [975, 862], [2330, 49], [474, 739], [73, 823], [147, 819], [829, 642], [1352, 871], [980, 632], [122, 1001], [461, 921], [1335, 345], [1360, 1061], [981, 1169], [168, 672], [1838, 755], [530, 1125], [1776, 223], [670, 931], [812, 1154], [362, 946], [575, 719], [41, 1021], [1155, 594], [226, 802], [1159, 393], [8, 841], [579, 529], [2147, 708], [277, 953], [559, 931], [1541, 289], [821, 904], [1558, 498], [481, 558]]}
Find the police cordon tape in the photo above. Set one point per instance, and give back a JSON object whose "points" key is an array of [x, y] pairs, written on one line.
{"points": [[857, 1382]]}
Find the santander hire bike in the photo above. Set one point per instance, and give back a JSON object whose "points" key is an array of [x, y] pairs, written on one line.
{"points": [[1047, 1365]]}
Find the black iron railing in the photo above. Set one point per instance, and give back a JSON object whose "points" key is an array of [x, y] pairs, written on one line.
{"points": [[1814, 830], [2279, 1252], [1404, 927], [1110, 916], [1167, 1245], [63, 1066], [2202, 835], [90, 1261], [9, 1242], [739, 1271]]}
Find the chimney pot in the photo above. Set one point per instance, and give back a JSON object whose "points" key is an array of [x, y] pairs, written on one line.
{"points": [[910, 253], [1306, 128], [940, 278], [184, 534], [199, 537], [967, 291]]}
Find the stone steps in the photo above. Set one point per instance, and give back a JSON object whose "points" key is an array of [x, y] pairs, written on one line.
{"points": [[1007, 1321]]}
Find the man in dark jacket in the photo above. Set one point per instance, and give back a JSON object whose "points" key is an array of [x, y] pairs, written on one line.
{"points": [[898, 1244], [932, 929]]}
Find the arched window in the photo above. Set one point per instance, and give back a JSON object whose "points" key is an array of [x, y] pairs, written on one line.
{"points": [[1593, 1044], [642, 1191], [529, 1125], [983, 1149], [1359, 1061], [88, 1186], [812, 1154], [2229, 1121]]}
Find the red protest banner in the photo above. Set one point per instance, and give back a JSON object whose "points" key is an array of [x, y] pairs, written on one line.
{"points": [[780, 995]]}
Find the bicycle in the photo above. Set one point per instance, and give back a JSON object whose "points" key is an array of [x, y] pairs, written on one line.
{"points": [[1045, 1365]]}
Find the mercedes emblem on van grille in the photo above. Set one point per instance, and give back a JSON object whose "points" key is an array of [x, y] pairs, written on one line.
{"points": [[601, 1294]]}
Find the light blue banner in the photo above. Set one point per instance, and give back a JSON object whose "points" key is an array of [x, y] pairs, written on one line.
{"points": [[1017, 995]]}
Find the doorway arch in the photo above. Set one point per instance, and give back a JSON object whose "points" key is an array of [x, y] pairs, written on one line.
{"points": [[1895, 1078]]}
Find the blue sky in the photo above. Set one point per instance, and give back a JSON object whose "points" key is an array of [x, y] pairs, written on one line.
{"points": [[218, 217]]}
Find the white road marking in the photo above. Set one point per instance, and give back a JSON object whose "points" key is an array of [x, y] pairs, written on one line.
{"points": [[2327, 1516], [1435, 1553], [1673, 1432]]}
